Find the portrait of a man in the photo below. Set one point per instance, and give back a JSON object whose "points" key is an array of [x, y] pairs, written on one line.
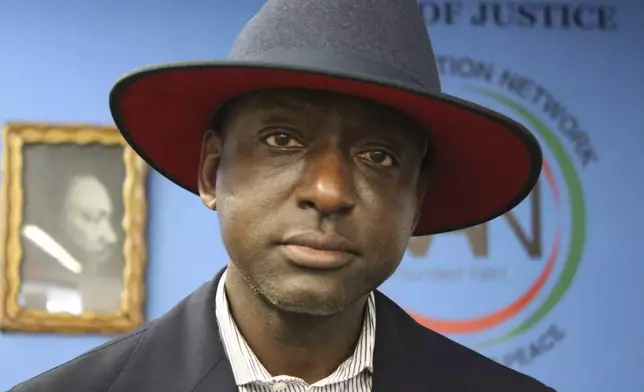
{"points": [[72, 234]]}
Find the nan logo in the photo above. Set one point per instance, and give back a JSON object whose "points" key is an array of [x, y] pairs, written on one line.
{"points": [[492, 287]]}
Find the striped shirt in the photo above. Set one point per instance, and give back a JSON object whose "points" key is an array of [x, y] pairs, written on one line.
{"points": [[353, 375]]}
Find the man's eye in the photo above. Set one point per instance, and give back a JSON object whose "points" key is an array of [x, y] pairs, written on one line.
{"points": [[281, 140], [378, 157]]}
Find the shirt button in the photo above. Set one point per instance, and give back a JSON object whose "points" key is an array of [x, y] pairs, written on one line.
{"points": [[280, 386]]}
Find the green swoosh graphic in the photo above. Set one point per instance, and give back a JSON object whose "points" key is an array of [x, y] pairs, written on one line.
{"points": [[577, 212]]}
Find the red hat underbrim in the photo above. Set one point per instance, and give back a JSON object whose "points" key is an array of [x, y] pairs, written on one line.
{"points": [[485, 164]]}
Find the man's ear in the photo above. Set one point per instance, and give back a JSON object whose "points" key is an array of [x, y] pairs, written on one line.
{"points": [[421, 187], [210, 156]]}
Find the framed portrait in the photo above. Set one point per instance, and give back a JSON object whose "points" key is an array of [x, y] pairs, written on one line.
{"points": [[73, 241]]}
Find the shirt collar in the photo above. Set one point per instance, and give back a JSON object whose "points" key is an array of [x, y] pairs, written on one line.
{"points": [[248, 369]]}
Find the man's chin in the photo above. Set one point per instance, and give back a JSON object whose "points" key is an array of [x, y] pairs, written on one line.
{"points": [[306, 304], [309, 309], [307, 293]]}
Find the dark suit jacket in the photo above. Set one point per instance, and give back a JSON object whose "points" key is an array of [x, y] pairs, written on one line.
{"points": [[182, 352]]}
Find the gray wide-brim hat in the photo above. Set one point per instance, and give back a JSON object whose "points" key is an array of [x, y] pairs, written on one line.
{"points": [[485, 164]]}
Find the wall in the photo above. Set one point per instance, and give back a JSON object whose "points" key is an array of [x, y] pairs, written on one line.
{"points": [[59, 63]]}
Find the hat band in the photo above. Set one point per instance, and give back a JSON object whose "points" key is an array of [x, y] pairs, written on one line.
{"points": [[337, 63]]}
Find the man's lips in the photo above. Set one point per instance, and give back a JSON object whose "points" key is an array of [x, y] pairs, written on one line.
{"points": [[318, 250]]}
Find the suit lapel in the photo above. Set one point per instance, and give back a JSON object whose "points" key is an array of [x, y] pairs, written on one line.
{"points": [[181, 351], [219, 379], [400, 355]]}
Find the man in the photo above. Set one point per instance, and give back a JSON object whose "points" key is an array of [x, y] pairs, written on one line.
{"points": [[331, 146], [87, 219], [70, 244]]}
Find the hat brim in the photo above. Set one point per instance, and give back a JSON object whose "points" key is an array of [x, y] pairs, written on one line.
{"points": [[485, 163]]}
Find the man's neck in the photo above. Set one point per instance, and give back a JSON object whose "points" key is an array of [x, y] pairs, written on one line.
{"points": [[297, 345]]}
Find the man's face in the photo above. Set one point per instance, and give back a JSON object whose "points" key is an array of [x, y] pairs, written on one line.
{"points": [[87, 213], [298, 171]]}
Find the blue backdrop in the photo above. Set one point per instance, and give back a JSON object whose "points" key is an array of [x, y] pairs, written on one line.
{"points": [[552, 289]]}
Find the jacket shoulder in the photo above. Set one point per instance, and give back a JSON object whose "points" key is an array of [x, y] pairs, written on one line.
{"points": [[460, 367], [94, 371], [474, 371]]}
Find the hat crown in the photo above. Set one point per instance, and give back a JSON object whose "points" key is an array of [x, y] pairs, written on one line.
{"points": [[384, 39]]}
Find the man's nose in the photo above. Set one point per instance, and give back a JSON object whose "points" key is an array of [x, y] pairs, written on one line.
{"points": [[108, 233], [327, 184]]}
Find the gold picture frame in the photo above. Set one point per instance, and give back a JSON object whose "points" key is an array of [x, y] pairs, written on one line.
{"points": [[41, 288]]}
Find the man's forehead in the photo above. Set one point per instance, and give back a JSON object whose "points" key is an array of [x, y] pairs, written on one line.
{"points": [[286, 99], [87, 192], [302, 100], [296, 101]]}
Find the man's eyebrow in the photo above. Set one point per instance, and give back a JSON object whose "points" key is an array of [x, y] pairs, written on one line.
{"points": [[280, 103], [258, 101]]}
